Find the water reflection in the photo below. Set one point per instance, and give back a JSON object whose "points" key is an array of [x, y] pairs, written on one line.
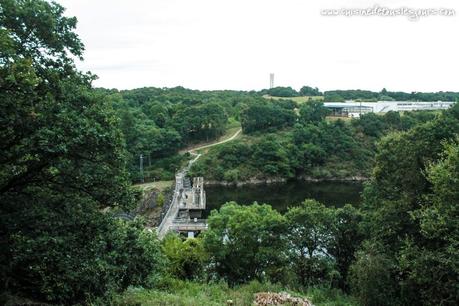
{"points": [[283, 195]]}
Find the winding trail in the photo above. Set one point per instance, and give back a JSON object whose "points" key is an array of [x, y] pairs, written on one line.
{"points": [[193, 150], [215, 143]]}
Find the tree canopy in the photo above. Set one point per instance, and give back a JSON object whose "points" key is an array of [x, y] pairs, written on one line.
{"points": [[63, 160]]}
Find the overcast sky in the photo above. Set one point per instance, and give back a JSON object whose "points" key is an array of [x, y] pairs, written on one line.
{"points": [[235, 44]]}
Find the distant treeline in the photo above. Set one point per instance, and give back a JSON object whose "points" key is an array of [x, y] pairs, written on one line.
{"points": [[364, 95], [290, 92], [158, 122]]}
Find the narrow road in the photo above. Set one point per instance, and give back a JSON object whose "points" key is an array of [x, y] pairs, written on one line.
{"points": [[216, 143]]}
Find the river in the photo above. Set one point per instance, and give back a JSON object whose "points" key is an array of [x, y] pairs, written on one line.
{"points": [[283, 195]]}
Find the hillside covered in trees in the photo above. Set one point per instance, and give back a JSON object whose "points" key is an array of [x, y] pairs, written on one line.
{"points": [[68, 161], [286, 141], [158, 123], [361, 95]]}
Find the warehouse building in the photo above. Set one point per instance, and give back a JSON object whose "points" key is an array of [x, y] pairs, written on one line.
{"points": [[355, 109]]}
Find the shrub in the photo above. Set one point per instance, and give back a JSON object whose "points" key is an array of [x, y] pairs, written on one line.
{"points": [[370, 277]]}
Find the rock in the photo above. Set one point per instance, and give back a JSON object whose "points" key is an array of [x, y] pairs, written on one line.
{"points": [[272, 298]]}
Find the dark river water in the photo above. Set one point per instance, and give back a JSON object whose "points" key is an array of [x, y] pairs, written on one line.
{"points": [[283, 195]]}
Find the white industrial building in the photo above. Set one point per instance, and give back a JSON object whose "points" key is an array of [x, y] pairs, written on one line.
{"points": [[355, 109]]}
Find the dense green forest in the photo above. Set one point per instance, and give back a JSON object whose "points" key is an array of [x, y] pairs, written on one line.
{"points": [[362, 95], [158, 123], [68, 159]]}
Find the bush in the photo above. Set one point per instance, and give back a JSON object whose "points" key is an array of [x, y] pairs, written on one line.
{"points": [[370, 277], [232, 175], [244, 243], [186, 257], [69, 253]]}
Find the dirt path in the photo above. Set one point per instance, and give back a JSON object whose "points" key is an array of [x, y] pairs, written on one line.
{"points": [[216, 143]]}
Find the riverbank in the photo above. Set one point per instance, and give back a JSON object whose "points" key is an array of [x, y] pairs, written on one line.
{"points": [[255, 181]]}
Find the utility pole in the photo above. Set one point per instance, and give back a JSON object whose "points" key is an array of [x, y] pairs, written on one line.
{"points": [[141, 168]]}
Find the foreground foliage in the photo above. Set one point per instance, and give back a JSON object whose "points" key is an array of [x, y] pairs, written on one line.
{"points": [[411, 207], [62, 161], [191, 293]]}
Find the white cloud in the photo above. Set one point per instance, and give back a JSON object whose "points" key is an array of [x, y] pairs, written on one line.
{"points": [[235, 44]]}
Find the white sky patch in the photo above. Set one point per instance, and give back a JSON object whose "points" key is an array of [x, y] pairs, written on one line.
{"points": [[235, 44]]}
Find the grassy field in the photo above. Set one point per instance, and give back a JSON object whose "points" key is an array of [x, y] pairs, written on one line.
{"points": [[192, 293], [160, 185], [299, 100]]}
